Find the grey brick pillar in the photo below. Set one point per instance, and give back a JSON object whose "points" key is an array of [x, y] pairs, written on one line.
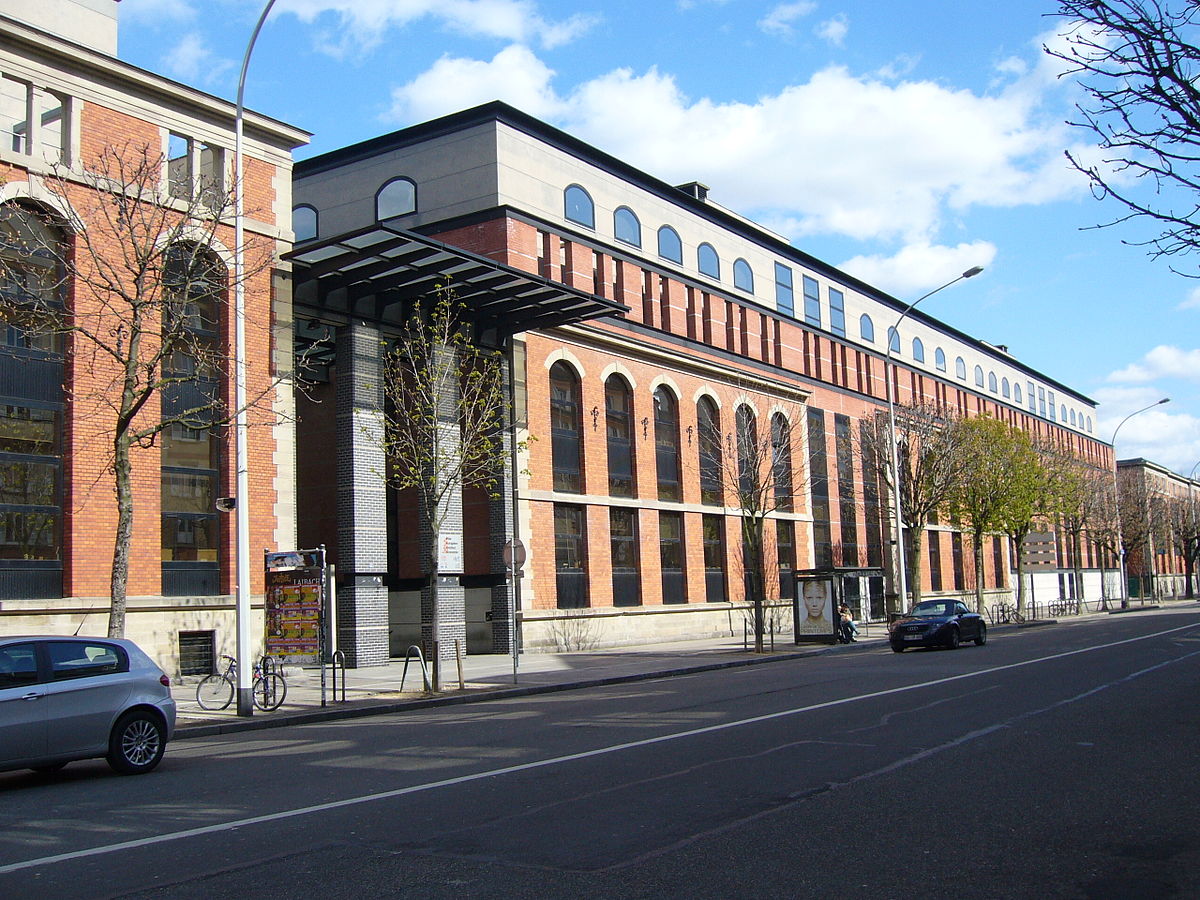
{"points": [[362, 608], [448, 621], [502, 530]]}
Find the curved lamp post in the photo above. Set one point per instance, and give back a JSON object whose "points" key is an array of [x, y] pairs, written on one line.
{"points": [[901, 575], [1117, 500], [245, 701]]}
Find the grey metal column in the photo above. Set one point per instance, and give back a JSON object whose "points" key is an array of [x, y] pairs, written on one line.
{"points": [[501, 516], [361, 498]]}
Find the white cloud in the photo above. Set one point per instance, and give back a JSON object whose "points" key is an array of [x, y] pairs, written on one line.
{"points": [[192, 61], [362, 24], [1161, 362], [1192, 301], [919, 267], [1169, 439], [833, 31], [781, 18]]}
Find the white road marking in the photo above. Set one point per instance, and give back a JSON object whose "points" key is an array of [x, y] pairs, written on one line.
{"points": [[559, 760]]}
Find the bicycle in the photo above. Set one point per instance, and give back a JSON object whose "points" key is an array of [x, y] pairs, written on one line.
{"points": [[268, 688], [1004, 613]]}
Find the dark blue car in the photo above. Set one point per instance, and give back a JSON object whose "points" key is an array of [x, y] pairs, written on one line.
{"points": [[937, 623]]}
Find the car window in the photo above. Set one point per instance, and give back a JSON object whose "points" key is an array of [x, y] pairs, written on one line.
{"points": [[76, 659], [961, 609], [18, 665]]}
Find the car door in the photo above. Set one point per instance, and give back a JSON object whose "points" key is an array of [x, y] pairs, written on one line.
{"points": [[89, 685], [968, 622], [22, 705]]}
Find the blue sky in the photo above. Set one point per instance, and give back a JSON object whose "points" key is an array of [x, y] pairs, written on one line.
{"points": [[904, 142]]}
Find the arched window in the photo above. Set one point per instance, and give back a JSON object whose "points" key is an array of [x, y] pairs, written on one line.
{"points": [[31, 375], [979, 376], [781, 461], [304, 223], [918, 350], [1089, 424], [618, 417], [747, 454], [743, 276], [960, 368], [396, 198], [992, 382], [578, 206], [707, 261], [893, 341], [1072, 418], [666, 444], [626, 226], [939, 359], [566, 429], [1062, 413], [1005, 388], [866, 330], [194, 287], [708, 426], [1017, 393], [669, 245]]}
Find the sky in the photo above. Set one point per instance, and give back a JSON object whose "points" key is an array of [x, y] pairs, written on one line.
{"points": [[902, 142]]}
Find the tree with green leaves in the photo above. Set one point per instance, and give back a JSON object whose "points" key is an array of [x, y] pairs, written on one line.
{"points": [[1030, 499], [445, 412]]}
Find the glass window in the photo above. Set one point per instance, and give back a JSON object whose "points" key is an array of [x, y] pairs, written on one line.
{"points": [[566, 429], [72, 659], [1052, 407], [713, 527], [666, 444], [707, 261], [708, 424], [1031, 394], [396, 198], [18, 665], [747, 457], [785, 556], [1072, 417], [992, 384], [866, 330], [893, 341], [618, 416], [1041, 401], [1017, 393], [304, 223], [781, 461], [784, 301], [670, 552], [979, 376], [812, 301], [939, 359], [626, 226], [669, 245], [623, 544], [578, 206], [837, 312], [1005, 389], [918, 350], [743, 276], [960, 368], [570, 556]]}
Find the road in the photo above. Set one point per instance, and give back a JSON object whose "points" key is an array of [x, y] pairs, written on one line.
{"points": [[1053, 762]]}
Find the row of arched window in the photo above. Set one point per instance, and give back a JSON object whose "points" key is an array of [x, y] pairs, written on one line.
{"points": [[396, 197], [715, 448]]}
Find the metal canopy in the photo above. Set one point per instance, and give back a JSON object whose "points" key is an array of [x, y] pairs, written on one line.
{"points": [[376, 274]]}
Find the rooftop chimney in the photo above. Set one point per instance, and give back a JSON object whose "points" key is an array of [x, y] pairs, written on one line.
{"points": [[695, 189]]}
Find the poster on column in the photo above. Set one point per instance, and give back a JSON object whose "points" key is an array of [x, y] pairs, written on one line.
{"points": [[295, 595]]}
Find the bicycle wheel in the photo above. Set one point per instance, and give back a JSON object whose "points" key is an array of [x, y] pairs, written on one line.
{"points": [[269, 691], [214, 692]]}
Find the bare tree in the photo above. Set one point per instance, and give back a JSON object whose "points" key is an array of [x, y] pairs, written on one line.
{"points": [[932, 461], [1184, 516], [445, 411], [139, 301], [1138, 67]]}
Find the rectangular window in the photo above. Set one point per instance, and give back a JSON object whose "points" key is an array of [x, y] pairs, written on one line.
{"points": [[1031, 394], [784, 301], [812, 301], [818, 468], [714, 558], [935, 560], [785, 557], [1050, 402], [180, 170], [847, 508], [956, 551], [998, 560], [837, 312], [670, 552], [623, 541], [22, 104], [1042, 402], [570, 556]]}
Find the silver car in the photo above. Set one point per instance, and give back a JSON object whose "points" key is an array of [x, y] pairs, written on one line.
{"points": [[69, 698]]}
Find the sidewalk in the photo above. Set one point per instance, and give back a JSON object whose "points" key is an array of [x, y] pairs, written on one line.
{"points": [[376, 690]]}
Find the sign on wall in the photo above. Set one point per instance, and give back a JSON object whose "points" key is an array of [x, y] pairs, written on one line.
{"points": [[814, 611]]}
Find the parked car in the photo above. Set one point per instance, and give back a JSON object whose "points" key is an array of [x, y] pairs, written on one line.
{"points": [[69, 698], [937, 623]]}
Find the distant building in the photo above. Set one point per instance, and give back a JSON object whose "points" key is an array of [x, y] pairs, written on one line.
{"points": [[653, 319], [64, 97], [1159, 512]]}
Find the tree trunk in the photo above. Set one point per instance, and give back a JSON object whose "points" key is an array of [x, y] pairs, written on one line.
{"points": [[1077, 569], [1021, 585], [122, 470], [753, 540], [978, 552], [917, 538]]}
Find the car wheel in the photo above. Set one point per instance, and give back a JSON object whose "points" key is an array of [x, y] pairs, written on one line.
{"points": [[953, 641], [897, 648], [137, 743], [981, 638]]}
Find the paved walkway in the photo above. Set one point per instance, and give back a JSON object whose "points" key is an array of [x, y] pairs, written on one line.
{"points": [[377, 689]]}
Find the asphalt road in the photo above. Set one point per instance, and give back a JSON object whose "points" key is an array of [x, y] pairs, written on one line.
{"points": [[1053, 762]]}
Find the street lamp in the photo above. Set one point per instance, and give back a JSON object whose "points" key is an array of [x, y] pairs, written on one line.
{"points": [[1117, 500], [245, 700], [901, 576]]}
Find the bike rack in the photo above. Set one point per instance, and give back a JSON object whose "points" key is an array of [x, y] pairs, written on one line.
{"points": [[413, 648], [338, 661]]}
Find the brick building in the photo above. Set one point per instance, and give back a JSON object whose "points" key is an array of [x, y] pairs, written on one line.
{"points": [[645, 324], [1159, 515], [65, 102]]}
